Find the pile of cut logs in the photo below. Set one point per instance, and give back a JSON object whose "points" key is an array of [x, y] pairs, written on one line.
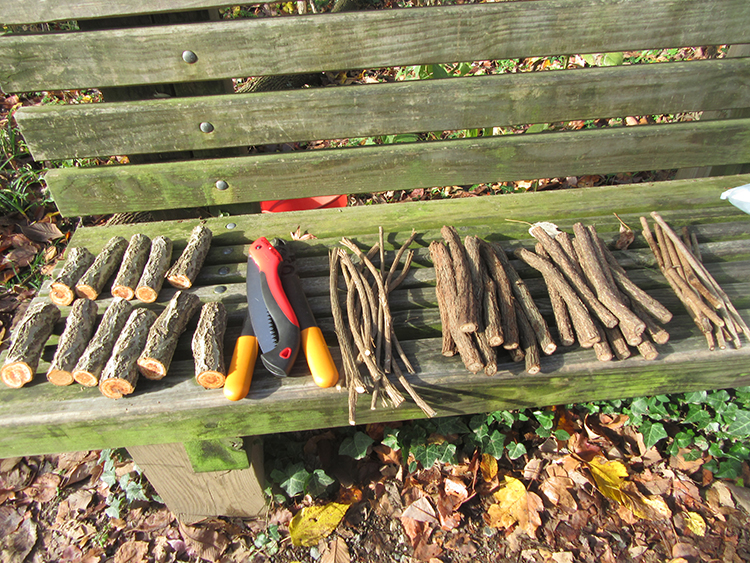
{"points": [[128, 340], [679, 259], [484, 304], [593, 300]]}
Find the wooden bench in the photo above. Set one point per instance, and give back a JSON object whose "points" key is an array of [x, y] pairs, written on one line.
{"points": [[166, 74]]}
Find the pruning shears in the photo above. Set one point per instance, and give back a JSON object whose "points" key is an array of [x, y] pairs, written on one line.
{"points": [[279, 322]]}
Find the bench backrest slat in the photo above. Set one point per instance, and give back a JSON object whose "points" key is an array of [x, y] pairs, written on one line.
{"points": [[398, 167], [43, 11], [273, 46], [366, 111]]}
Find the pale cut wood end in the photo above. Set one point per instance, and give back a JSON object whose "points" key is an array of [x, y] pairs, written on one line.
{"points": [[146, 294], [60, 377], [180, 281], [123, 291], [61, 294], [85, 378], [86, 292], [16, 374], [151, 368], [115, 388], [211, 379]]}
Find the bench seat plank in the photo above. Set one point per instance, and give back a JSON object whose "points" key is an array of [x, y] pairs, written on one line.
{"points": [[166, 125], [272, 46], [42, 418], [403, 166]]}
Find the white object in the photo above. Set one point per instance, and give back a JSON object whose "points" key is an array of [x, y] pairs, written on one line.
{"points": [[739, 197], [550, 228]]}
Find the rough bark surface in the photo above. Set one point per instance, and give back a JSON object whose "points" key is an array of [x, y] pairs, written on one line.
{"points": [[155, 270], [466, 306], [162, 338], [92, 282], [208, 346], [95, 356], [120, 373], [132, 266], [62, 291], [183, 273], [79, 327], [505, 299], [28, 343]]}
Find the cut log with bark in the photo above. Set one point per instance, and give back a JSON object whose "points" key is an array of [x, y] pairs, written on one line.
{"points": [[89, 367], [93, 280], [208, 346], [132, 266], [62, 291], [162, 338], [79, 326], [467, 308], [183, 273], [529, 343], [121, 373], [505, 299], [28, 342], [155, 270]]}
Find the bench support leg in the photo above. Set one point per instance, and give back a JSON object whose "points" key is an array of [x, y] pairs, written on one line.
{"points": [[194, 496]]}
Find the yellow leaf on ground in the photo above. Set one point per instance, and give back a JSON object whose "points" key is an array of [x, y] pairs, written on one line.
{"points": [[695, 523], [515, 504], [488, 467], [609, 477], [313, 523]]}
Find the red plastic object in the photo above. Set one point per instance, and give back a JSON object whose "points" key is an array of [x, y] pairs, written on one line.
{"points": [[318, 202]]}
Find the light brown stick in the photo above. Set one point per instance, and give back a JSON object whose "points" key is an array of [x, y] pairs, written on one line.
{"points": [[92, 282], [559, 308], [528, 342], [561, 259], [466, 305], [208, 346], [120, 374], [28, 342], [90, 365], [162, 340], [505, 298], [132, 265], [62, 290], [182, 274], [79, 326], [154, 272]]}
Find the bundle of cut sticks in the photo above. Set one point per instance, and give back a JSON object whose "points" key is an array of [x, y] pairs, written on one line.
{"points": [[365, 334], [485, 305], [680, 261], [593, 300]]}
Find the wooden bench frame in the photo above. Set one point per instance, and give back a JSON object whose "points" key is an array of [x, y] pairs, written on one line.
{"points": [[185, 437]]}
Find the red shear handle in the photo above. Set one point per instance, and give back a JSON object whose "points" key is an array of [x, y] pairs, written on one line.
{"points": [[268, 260]]}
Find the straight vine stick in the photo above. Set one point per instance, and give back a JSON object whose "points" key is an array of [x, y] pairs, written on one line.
{"points": [[579, 315], [702, 273], [355, 277], [566, 266], [527, 304], [445, 283], [418, 400], [528, 342], [465, 298], [559, 308], [505, 299], [397, 259]]}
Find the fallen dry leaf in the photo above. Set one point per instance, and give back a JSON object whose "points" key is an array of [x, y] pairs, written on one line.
{"points": [[337, 552], [555, 487], [132, 552], [205, 542], [421, 510], [313, 523], [695, 523], [44, 488], [42, 232], [515, 504], [626, 236], [488, 467]]}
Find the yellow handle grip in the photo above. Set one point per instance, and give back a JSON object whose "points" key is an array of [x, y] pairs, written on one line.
{"points": [[241, 368], [318, 356]]}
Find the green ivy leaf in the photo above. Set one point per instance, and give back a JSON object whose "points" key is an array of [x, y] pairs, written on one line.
{"points": [[562, 435], [729, 469], [718, 400], [639, 406], [356, 446], [546, 419], [293, 479], [428, 454], [683, 440], [653, 432], [505, 418], [450, 425], [390, 439], [516, 450], [697, 415], [495, 445], [740, 426], [696, 397], [318, 483], [613, 59]]}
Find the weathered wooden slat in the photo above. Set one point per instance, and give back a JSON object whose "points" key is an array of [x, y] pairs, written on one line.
{"points": [[269, 46], [395, 167], [404, 107], [13, 13]]}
